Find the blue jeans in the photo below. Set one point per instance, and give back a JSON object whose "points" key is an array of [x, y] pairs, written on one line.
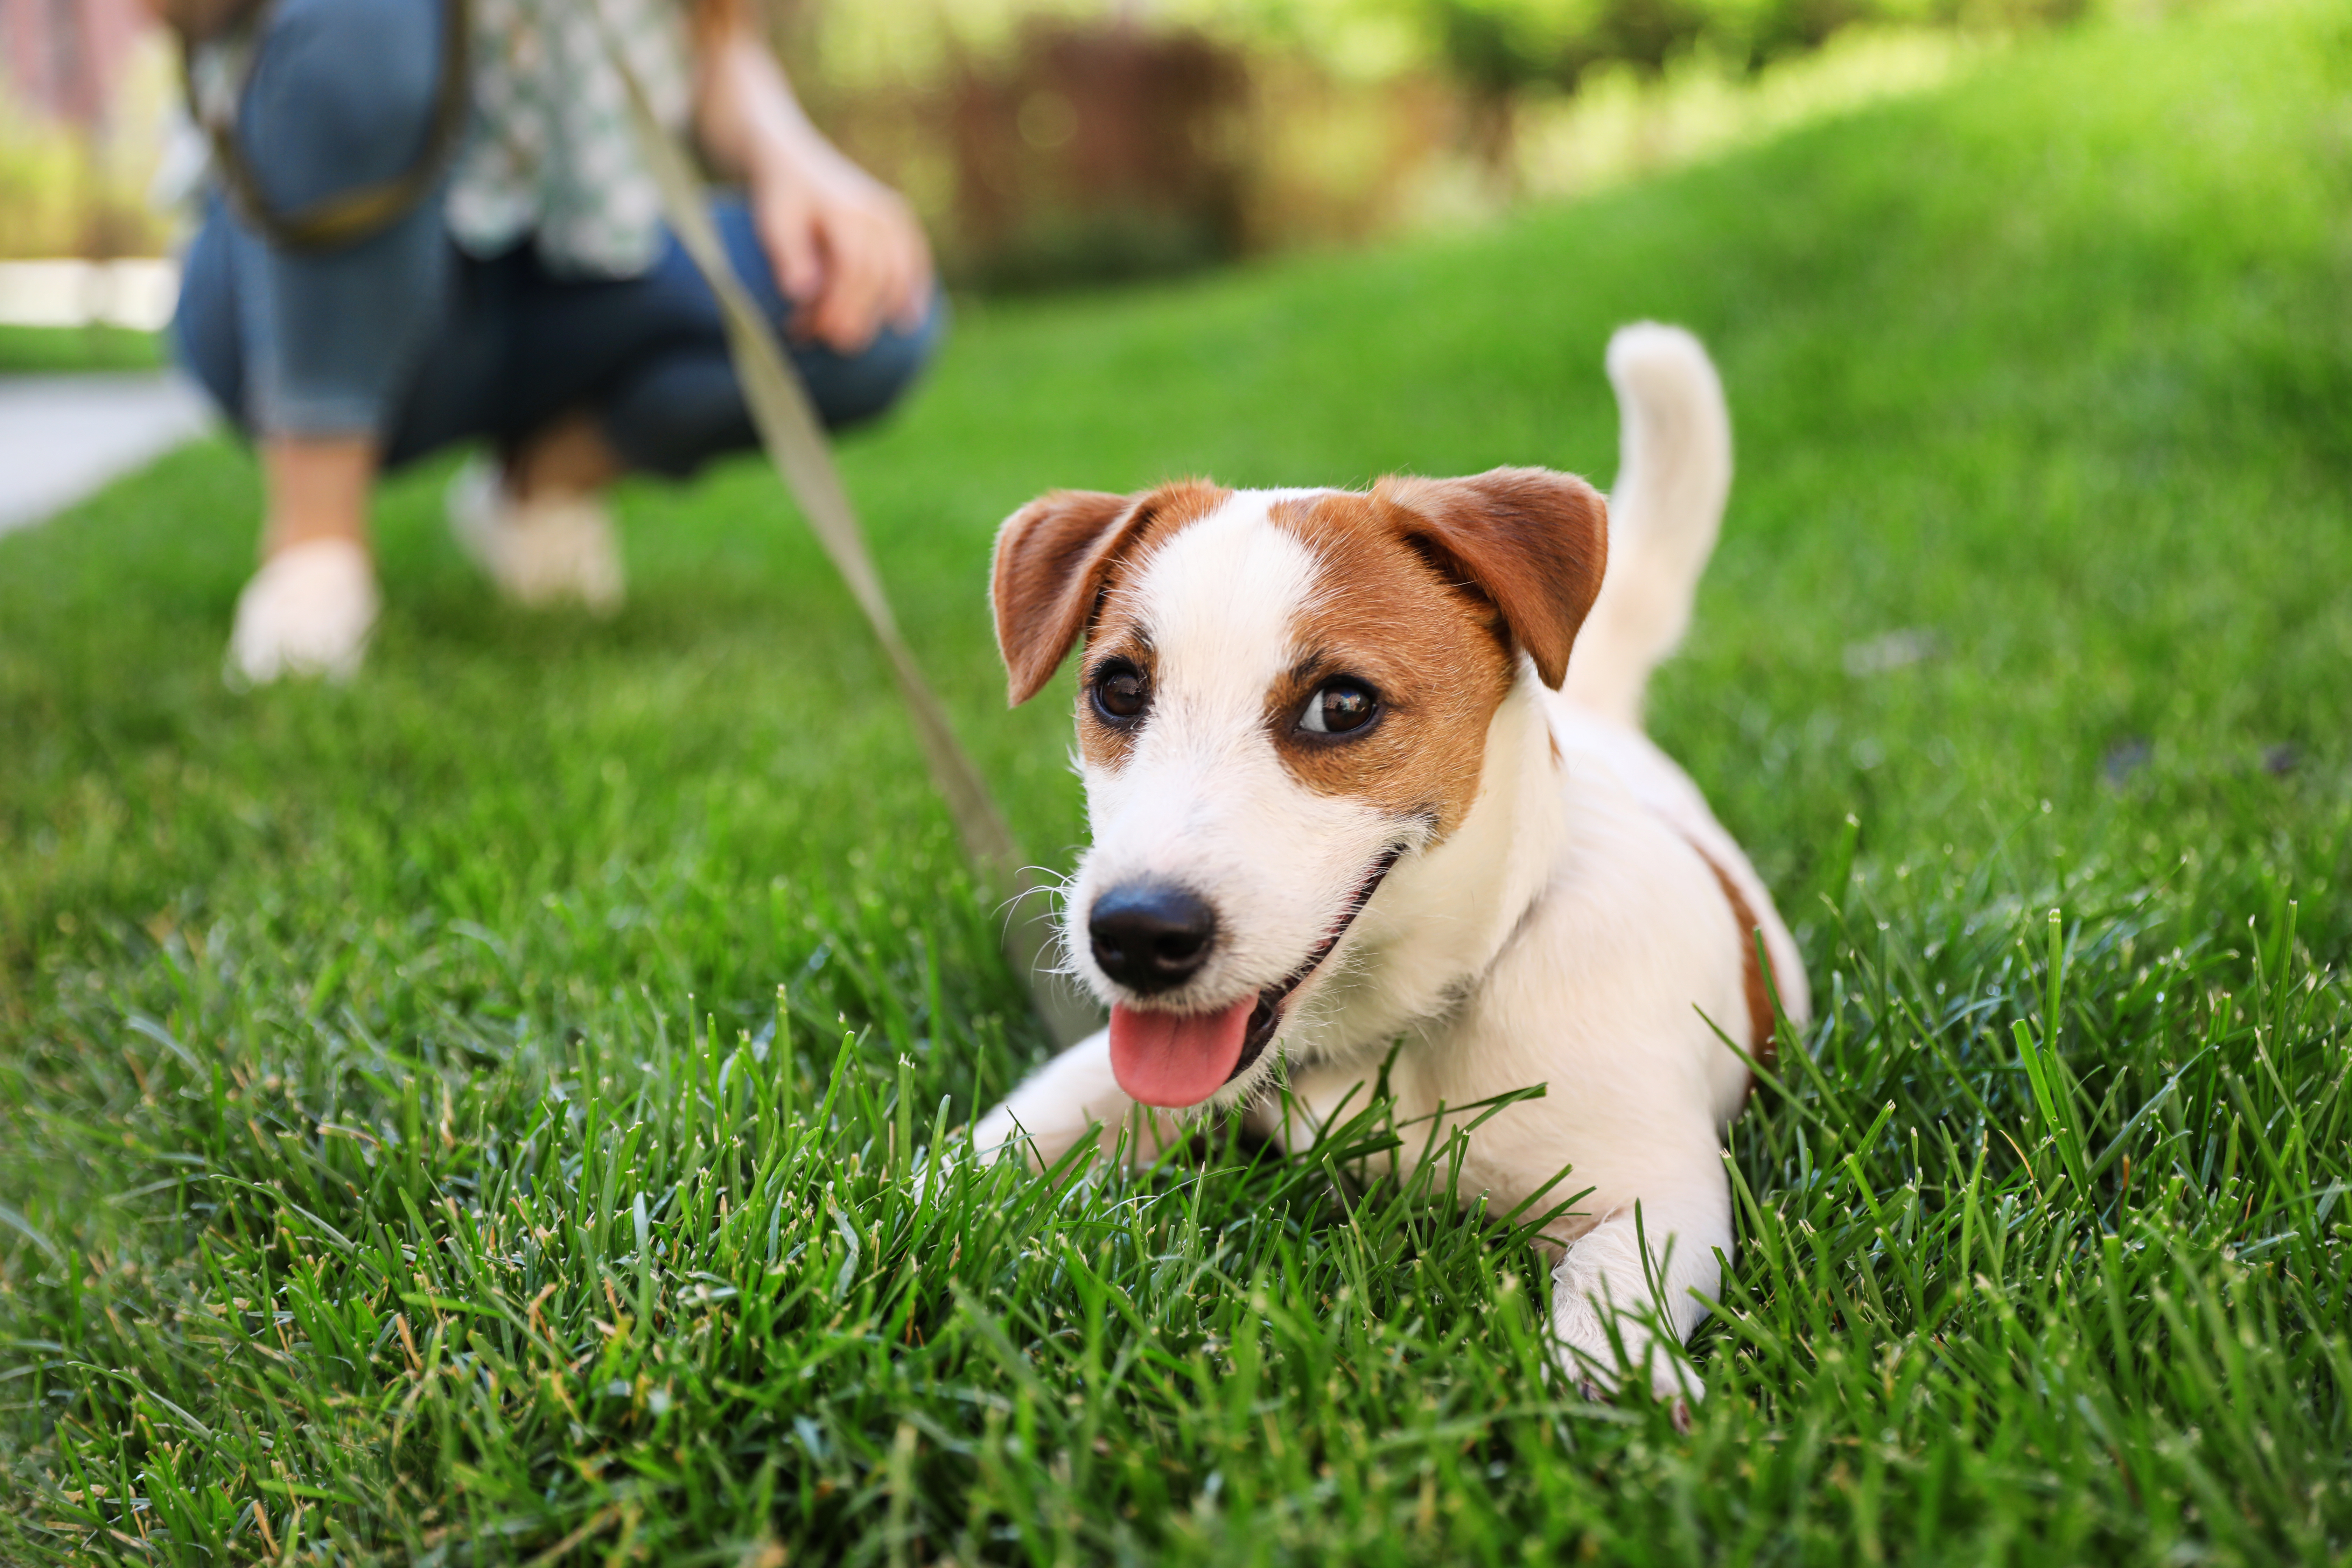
{"points": [[406, 337]]}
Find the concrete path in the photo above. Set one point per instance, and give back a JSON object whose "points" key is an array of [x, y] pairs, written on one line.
{"points": [[64, 436]]}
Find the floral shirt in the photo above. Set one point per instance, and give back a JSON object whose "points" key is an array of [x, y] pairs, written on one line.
{"points": [[552, 154]]}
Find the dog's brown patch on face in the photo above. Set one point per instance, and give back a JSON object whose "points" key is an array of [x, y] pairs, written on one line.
{"points": [[1534, 541], [1431, 646], [1115, 631]]}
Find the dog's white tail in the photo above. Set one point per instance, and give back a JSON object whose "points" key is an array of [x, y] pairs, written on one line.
{"points": [[1674, 473]]}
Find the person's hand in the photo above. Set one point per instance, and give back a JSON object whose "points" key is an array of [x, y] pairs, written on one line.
{"points": [[847, 249]]}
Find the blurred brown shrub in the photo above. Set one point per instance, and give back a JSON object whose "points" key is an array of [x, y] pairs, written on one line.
{"points": [[1053, 142], [1093, 151], [1097, 152]]}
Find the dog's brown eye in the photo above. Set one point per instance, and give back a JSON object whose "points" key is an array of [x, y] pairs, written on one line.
{"points": [[1340, 706], [1119, 692]]}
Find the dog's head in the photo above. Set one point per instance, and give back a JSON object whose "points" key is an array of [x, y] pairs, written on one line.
{"points": [[1282, 693]]}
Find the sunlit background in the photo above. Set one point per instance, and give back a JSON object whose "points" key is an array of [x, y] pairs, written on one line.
{"points": [[462, 1114], [1052, 145]]}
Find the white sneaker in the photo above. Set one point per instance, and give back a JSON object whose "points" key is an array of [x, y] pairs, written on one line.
{"points": [[308, 611], [538, 553]]}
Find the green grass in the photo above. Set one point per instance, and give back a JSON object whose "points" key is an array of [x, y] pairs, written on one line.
{"points": [[30, 351], [400, 1160]]}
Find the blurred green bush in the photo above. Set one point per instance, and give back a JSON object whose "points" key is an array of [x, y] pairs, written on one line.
{"points": [[1052, 143], [1056, 142], [68, 190]]}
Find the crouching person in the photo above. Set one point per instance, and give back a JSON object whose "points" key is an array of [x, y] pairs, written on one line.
{"points": [[432, 226]]}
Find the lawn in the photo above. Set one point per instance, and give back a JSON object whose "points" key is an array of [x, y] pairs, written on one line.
{"points": [[465, 1116], [35, 350]]}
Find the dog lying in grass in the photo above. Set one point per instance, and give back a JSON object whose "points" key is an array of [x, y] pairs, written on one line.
{"points": [[1364, 767]]}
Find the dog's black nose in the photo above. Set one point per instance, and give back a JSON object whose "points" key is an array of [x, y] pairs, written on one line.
{"points": [[1150, 936]]}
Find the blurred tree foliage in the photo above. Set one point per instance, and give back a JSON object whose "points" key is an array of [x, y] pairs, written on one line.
{"points": [[1501, 46], [1053, 141], [1484, 46]]}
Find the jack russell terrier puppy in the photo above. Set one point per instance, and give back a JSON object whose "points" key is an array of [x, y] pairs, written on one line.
{"points": [[1367, 767]]}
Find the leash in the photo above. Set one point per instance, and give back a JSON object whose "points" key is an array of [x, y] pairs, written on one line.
{"points": [[795, 443]]}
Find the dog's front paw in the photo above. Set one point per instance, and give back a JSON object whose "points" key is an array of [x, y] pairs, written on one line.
{"points": [[1602, 1365], [1599, 1383], [992, 1133], [999, 1136]]}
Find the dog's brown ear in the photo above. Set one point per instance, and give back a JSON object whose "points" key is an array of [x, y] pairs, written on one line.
{"points": [[1051, 556], [1532, 541]]}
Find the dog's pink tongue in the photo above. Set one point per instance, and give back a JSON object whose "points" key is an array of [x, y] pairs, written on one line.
{"points": [[1174, 1059]]}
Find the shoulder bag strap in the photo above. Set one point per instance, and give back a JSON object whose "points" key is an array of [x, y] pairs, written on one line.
{"points": [[348, 217]]}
